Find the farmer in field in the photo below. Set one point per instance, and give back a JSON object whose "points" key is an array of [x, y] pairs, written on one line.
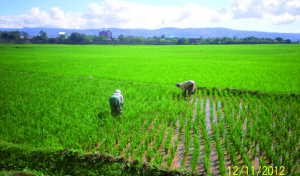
{"points": [[116, 103], [187, 85]]}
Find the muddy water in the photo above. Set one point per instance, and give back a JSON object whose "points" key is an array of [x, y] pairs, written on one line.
{"points": [[179, 159], [176, 160], [200, 168], [207, 115], [213, 155]]}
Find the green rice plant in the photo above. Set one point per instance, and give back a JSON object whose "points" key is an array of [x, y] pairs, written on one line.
{"points": [[227, 142], [207, 148], [58, 105], [186, 143], [195, 157], [221, 128], [182, 162], [206, 164], [169, 160], [233, 156], [149, 155], [168, 141], [159, 158], [140, 151], [196, 152]]}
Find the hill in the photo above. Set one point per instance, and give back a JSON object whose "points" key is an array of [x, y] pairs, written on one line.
{"points": [[170, 31]]}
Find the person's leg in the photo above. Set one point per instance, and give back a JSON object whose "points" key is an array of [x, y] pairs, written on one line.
{"points": [[190, 89], [119, 110], [184, 94], [194, 87], [113, 110], [111, 106]]}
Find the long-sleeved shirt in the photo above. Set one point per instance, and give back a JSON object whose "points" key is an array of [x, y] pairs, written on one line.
{"points": [[184, 86], [118, 96]]}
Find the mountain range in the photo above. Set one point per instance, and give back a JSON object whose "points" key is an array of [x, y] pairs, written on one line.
{"points": [[169, 31]]}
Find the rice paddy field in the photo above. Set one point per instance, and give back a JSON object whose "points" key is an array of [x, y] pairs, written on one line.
{"points": [[57, 96]]}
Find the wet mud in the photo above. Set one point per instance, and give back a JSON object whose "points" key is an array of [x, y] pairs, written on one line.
{"points": [[209, 110]]}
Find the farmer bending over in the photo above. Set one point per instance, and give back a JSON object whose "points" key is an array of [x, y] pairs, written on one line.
{"points": [[116, 103], [187, 85]]}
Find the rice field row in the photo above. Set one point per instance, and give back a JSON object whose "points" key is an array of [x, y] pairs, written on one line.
{"points": [[207, 134], [266, 68], [57, 96]]}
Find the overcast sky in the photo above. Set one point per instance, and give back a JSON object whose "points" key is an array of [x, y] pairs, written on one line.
{"points": [[258, 15]]}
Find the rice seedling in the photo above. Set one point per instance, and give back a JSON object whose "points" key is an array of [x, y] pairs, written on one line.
{"points": [[50, 101]]}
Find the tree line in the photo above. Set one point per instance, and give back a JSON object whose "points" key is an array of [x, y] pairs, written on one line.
{"points": [[77, 37]]}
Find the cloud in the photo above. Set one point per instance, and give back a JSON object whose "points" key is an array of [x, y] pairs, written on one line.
{"points": [[280, 11], [294, 3], [119, 14], [284, 19], [33, 17], [133, 15], [123, 14], [57, 13], [37, 18], [255, 8]]}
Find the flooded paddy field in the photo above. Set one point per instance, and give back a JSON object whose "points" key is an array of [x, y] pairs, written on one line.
{"points": [[60, 100], [215, 135]]}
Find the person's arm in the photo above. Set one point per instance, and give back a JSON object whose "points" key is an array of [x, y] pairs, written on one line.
{"points": [[184, 86], [184, 93], [121, 98]]}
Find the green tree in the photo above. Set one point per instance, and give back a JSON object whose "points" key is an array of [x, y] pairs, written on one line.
{"points": [[121, 37], [279, 39], [235, 39], [174, 40], [77, 37], [14, 35], [61, 38], [216, 41], [25, 34], [103, 38], [4, 35], [94, 37], [150, 39], [43, 35], [288, 41], [88, 39], [183, 41], [53, 40], [163, 36], [156, 38]]}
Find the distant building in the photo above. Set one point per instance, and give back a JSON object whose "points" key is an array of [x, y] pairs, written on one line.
{"points": [[129, 36], [192, 40], [171, 37], [25, 37], [37, 36], [63, 33], [106, 32]]}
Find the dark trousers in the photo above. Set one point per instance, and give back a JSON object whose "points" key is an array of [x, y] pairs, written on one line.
{"points": [[115, 110], [190, 89]]}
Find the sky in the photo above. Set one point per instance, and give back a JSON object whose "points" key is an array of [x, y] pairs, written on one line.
{"points": [[255, 15]]}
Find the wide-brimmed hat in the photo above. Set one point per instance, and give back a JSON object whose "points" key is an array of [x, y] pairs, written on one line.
{"points": [[118, 91]]}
